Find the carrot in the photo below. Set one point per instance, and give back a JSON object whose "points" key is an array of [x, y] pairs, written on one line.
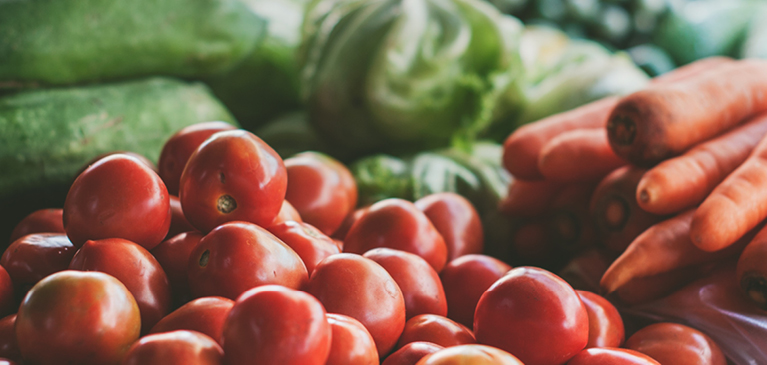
{"points": [[643, 290], [529, 198], [752, 269], [683, 182], [579, 155], [568, 218], [735, 206], [691, 70], [522, 148], [662, 248], [617, 216], [651, 125]]}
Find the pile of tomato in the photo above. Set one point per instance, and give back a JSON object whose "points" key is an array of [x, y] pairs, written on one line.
{"points": [[264, 261]]}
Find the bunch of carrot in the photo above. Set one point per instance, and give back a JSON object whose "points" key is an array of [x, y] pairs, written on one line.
{"points": [[673, 178]]}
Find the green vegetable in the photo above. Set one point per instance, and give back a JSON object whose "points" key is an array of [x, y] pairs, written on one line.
{"points": [[651, 59], [74, 41], [755, 45], [291, 133], [406, 75], [47, 135], [380, 177]]}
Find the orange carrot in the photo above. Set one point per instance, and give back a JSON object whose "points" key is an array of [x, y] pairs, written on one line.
{"points": [[691, 70], [651, 125], [579, 155], [683, 182], [529, 198], [752, 269], [522, 148], [736, 206], [568, 219]]}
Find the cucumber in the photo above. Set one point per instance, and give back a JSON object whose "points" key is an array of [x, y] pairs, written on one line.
{"points": [[47, 135], [60, 42]]}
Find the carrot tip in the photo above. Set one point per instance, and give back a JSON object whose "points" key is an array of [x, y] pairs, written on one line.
{"points": [[622, 130], [644, 196]]}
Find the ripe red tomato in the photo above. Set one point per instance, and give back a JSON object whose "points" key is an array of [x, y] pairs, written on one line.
{"points": [[351, 218], [7, 302], [176, 151], [309, 243], [321, 189], [360, 288], [205, 315], [136, 268], [470, 354], [178, 222], [232, 176], [117, 197], [534, 315], [351, 342], [397, 224], [465, 279], [238, 256], [671, 343], [411, 353], [611, 356], [175, 348], [173, 255], [437, 330], [52, 327], [287, 213], [275, 325], [605, 323], [419, 283], [9, 347], [35, 256], [456, 220], [40, 221]]}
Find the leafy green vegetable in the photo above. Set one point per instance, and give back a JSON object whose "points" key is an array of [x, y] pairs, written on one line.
{"points": [[380, 177], [755, 45]]}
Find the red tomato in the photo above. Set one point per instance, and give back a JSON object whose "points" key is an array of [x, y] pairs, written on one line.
{"points": [[435, 329], [352, 343], [178, 222], [611, 356], [40, 221], [321, 189], [671, 343], [419, 283], [232, 176], [205, 315], [35, 256], [456, 220], [176, 151], [411, 353], [9, 347], [7, 302], [605, 323], [276, 325], [360, 288], [117, 197], [237, 256], [465, 279], [470, 355], [173, 255], [175, 348], [534, 315], [287, 213], [309, 243], [348, 222], [136, 268], [397, 224], [52, 326]]}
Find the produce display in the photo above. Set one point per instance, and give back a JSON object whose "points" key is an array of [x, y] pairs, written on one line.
{"points": [[396, 182]]}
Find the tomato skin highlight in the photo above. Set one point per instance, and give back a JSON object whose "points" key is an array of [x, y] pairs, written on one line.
{"points": [[205, 315], [605, 323], [175, 348], [470, 355], [437, 330], [352, 344], [456, 220], [307, 241], [611, 356], [464, 280], [35, 256], [411, 353]]}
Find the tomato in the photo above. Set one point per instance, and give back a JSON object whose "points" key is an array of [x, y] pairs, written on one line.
{"points": [[348, 222], [671, 343], [173, 255], [35, 256], [237, 256], [205, 315], [139, 157], [176, 151], [435, 329], [117, 197], [232, 176], [456, 220], [611, 356], [287, 213], [7, 301], [352, 344], [273, 324], [360, 288], [470, 355], [136, 268], [40, 221], [605, 323], [175, 348], [178, 222], [309, 243], [52, 326], [9, 347], [534, 315], [411, 353], [321, 189], [419, 283], [397, 224], [465, 279]]}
